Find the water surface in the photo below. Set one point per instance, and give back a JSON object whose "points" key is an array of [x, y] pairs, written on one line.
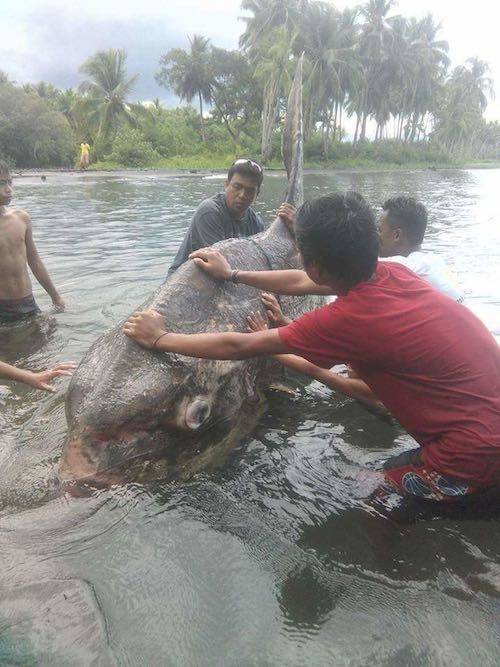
{"points": [[273, 559]]}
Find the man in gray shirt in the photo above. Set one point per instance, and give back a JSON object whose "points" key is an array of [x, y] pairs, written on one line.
{"points": [[227, 215]]}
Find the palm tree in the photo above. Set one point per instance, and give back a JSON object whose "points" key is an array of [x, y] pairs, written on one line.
{"points": [[267, 41], [459, 118], [327, 38], [429, 62], [318, 38], [189, 74], [107, 89], [350, 71], [274, 71], [156, 108], [375, 42], [478, 85], [46, 91], [268, 15], [66, 103]]}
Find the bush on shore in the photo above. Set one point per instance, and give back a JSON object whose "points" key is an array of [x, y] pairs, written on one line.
{"points": [[31, 133], [178, 146], [132, 149]]}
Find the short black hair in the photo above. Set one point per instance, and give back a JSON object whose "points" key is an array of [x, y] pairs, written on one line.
{"points": [[4, 168], [409, 215], [246, 168], [338, 233]]}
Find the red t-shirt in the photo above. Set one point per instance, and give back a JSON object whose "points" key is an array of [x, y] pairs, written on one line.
{"points": [[428, 358]]}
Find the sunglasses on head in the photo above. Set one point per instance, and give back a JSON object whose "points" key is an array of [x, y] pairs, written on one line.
{"points": [[253, 165]]}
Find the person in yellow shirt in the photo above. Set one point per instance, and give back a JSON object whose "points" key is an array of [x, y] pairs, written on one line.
{"points": [[84, 155]]}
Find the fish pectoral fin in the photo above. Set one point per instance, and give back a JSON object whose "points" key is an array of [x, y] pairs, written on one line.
{"points": [[282, 388]]}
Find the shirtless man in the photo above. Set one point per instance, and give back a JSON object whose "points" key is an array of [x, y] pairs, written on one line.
{"points": [[17, 252]]}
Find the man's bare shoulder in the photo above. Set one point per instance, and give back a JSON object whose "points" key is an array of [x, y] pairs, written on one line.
{"points": [[20, 213], [16, 217]]}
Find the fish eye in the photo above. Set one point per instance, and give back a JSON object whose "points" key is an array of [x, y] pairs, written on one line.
{"points": [[197, 413]]}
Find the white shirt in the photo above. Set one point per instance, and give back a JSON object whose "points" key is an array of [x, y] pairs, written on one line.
{"points": [[431, 268]]}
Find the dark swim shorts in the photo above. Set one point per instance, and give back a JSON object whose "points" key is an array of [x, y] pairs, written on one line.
{"points": [[408, 475], [14, 310]]}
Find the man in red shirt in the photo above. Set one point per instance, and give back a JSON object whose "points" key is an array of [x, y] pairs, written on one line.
{"points": [[431, 362]]}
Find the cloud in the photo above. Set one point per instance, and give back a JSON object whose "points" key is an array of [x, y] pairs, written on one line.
{"points": [[50, 43], [50, 40]]}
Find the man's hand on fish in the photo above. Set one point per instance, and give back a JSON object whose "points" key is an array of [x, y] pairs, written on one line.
{"points": [[145, 327], [212, 262], [287, 213], [273, 310], [257, 322]]}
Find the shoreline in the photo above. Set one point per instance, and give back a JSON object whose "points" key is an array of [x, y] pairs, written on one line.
{"points": [[308, 169]]}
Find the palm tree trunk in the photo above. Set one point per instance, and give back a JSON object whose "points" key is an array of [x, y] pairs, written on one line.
{"points": [[363, 126], [426, 126], [309, 120], [355, 140], [334, 135], [269, 114], [225, 120], [401, 126], [201, 117], [414, 126], [328, 130], [326, 141]]}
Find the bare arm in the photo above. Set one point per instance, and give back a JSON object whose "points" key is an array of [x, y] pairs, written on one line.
{"points": [[37, 380], [38, 267], [223, 345], [355, 388], [292, 282], [148, 329]]}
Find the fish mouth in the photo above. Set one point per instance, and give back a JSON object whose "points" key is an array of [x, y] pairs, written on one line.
{"points": [[104, 460], [75, 467], [99, 460], [192, 438]]}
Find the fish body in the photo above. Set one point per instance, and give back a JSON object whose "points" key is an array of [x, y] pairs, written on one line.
{"points": [[137, 414]]}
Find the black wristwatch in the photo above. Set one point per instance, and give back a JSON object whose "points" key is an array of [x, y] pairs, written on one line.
{"points": [[234, 276]]}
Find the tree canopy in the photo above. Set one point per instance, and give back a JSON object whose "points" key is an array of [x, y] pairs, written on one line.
{"points": [[389, 74]]}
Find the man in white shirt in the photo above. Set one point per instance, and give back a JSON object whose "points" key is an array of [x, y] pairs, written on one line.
{"points": [[402, 226]]}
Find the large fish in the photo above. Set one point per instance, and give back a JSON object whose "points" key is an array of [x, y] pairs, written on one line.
{"points": [[135, 414]]}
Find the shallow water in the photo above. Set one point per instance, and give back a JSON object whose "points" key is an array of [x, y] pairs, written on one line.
{"points": [[273, 559]]}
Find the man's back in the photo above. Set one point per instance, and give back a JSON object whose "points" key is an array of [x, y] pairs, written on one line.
{"points": [[213, 222], [431, 362], [432, 268]]}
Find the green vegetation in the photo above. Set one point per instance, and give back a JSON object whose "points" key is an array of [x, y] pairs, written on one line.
{"points": [[31, 133], [380, 69]]}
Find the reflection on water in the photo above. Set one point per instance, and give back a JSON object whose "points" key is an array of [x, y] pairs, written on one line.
{"points": [[273, 559]]}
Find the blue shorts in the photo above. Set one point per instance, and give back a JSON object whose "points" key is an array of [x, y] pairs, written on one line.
{"points": [[14, 310]]}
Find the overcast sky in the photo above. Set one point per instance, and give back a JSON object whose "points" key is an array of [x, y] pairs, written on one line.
{"points": [[49, 39]]}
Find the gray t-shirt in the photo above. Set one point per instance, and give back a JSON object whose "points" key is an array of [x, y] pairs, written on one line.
{"points": [[213, 222]]}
